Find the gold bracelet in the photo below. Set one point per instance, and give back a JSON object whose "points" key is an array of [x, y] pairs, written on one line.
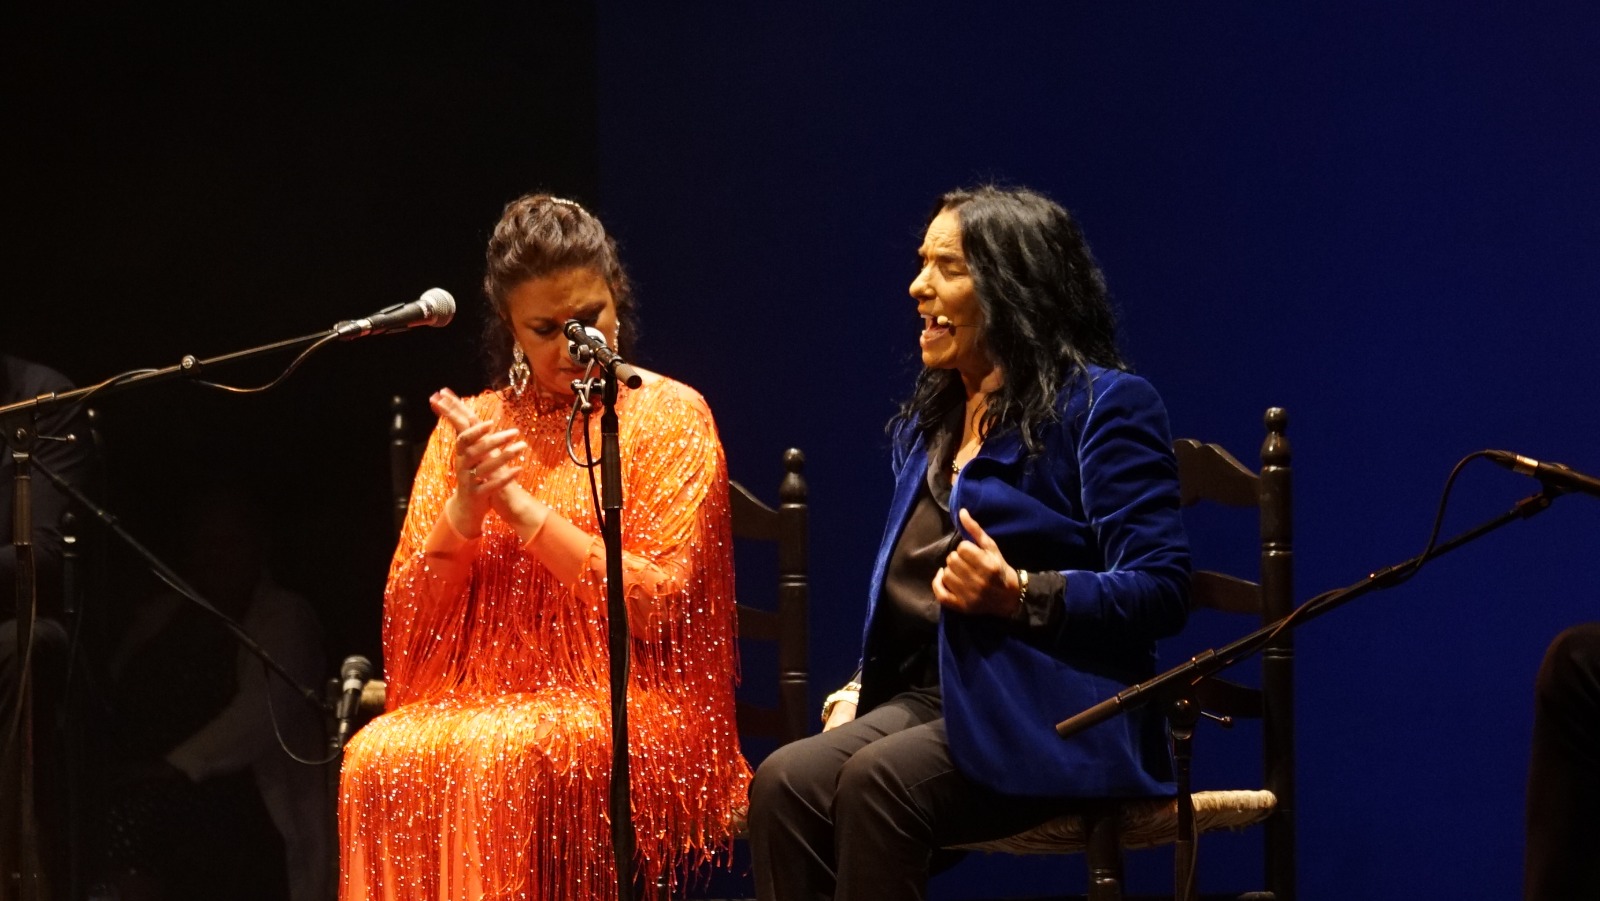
{"points": [[1022, 590], [850, 692]]}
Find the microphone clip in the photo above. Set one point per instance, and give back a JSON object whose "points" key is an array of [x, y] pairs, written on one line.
{"points": [[584, 389], [580, 352]]}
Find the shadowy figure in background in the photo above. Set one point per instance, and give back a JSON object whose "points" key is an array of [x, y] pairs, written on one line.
{"points": [[1563, 851], [21, 380], [191, 718]]}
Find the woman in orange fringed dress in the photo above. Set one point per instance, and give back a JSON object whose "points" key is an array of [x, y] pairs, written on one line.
{"points": [[487, 777]]}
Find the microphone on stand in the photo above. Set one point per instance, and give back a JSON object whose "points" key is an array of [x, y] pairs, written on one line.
{"points": [[354, 676], [588, 340], [1553, 475], [578, 351], [434, 308]]}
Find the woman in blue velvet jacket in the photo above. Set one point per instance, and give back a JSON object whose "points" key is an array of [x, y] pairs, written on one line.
{"points": [[1033, 555]]}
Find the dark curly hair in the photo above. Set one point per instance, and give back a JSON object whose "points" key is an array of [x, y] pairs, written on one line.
{"points": [[1045, 309], [539, 235]]}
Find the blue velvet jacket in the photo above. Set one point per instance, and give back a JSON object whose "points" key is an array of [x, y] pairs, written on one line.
{"points": [[1099, 505]]}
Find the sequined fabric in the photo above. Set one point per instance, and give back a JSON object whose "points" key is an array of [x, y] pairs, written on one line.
{"points": [[487, 777]]}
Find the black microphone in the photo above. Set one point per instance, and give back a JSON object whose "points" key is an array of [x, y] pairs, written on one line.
{"points": [[354, 676], [435, 307], [579, 352], [592, 340], [1553, 475]]}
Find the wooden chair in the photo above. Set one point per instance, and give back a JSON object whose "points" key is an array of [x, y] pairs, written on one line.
{"points": [[1209, 473], [786, 625]]}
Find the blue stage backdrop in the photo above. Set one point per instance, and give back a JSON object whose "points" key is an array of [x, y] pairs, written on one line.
{"points": [[1380, 217]]}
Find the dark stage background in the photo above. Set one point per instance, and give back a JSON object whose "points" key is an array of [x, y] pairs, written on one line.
{"points": [[201, 182], [1382, 219]]}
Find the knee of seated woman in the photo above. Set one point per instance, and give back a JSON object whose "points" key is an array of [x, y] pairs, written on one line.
{"points": [[779, 773], [873, 771]]}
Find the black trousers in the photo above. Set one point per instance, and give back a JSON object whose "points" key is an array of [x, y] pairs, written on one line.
{"points": [[1563, 851], [860, 813]]}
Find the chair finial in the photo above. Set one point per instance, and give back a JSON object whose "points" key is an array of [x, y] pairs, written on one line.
{"points": [[1275, 448], [793, 488]]}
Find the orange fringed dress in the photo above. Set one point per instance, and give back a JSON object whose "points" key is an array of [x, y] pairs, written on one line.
{"points": [[487, 777]]}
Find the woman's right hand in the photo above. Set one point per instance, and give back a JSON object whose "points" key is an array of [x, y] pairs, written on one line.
{"points": [[485, 462], [842, 712], [840, 707]]}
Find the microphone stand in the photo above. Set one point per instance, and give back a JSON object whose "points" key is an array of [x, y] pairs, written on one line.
{"points": [[1176, 684], [1213, 661], [23, 438], [588, 346], [21, 827], [622, 835]]}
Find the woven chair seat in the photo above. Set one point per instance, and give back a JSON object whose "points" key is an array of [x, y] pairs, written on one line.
{"points": [[1144, 824]]}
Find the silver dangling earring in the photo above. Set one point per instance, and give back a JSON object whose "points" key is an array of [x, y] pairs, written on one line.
{"points": [[519, 373]]}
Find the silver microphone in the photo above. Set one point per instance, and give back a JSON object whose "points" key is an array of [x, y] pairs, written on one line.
{"points": [[434, 308]]}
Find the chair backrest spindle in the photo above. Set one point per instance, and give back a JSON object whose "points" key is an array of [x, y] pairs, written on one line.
{"points": [[1277, 674], [793, 598], [788, 527], [404, 455]]}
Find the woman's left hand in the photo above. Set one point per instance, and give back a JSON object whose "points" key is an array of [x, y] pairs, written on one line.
{"points": [[976, 578], [486, 471]]}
